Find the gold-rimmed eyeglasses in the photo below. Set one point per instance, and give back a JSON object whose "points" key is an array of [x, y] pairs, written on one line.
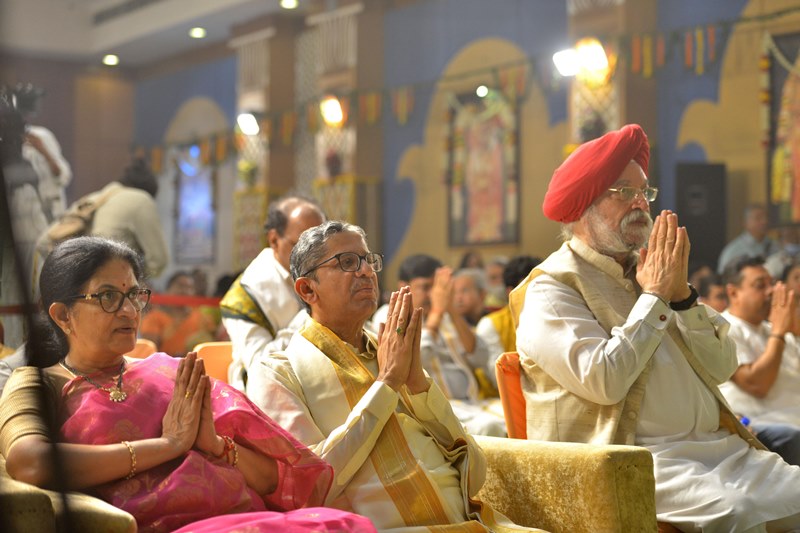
{"points": [[111, 301], [630, 193]]}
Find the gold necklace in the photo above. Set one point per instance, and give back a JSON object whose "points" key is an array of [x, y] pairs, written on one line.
{"points": [[116, 394]]}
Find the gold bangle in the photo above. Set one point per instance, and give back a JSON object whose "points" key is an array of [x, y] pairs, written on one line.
{"points": [[235, 455], [133, 459]]}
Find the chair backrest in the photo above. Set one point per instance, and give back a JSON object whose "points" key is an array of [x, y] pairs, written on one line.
{"points": [[143, 348], [510, 387], [217, 357]]}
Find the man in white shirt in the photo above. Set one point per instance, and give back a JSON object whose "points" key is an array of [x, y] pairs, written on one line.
{"points": [[400, 456], [261, 303], [43, 152], [753, 241], [766, 386], [614, 348]]}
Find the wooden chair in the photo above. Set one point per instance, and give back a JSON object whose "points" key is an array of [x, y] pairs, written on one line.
{"points": [[143, 348], [217, 357], [510, 388]]}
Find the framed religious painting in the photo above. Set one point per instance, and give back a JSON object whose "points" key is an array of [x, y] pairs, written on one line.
{"points": [[195, 208], [482, 170], [782, 102]]}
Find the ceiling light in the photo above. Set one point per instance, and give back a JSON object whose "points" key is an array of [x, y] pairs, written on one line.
{"points": [[289, 4], [482, 91], [247, 123], [197, 33], [110, 60], [331, 110]]}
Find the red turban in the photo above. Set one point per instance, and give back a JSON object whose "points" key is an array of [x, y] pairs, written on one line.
{"points": [[591, 169]]}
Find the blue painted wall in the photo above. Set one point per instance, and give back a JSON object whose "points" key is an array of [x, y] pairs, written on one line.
{"points": [[679, 86], [158, 99], [419, 42]]}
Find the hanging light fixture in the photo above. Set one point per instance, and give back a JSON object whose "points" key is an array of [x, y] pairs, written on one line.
{"points": [[587, 60], [331, 109], [247, 123]]}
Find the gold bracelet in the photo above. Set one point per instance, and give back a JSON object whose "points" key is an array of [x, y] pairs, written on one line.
{"points": [[133, 459], [235, 455]]}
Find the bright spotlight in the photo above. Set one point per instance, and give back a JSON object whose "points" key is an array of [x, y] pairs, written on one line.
{"points": [[331, 110], [482, 91], [247, 123], [110, 60]]}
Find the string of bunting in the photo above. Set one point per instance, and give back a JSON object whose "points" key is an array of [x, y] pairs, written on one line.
{"points": [[644, 54]]}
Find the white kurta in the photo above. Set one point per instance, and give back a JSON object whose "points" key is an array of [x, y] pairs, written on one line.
{"points": [[706, 478], [781, 405], [271, 287], [313, 407]]}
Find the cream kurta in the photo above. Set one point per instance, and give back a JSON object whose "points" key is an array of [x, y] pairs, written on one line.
{"points": [[302, 391], [271, 287], [781, 405], [706, 478]]}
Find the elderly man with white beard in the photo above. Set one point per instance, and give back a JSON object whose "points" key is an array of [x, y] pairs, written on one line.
{"points": [[615, 349]]}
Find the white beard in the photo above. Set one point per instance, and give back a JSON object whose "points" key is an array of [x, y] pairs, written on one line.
{"points": [[625, 241]]}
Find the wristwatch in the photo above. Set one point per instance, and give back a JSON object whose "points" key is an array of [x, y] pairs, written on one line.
{"points": [[683, 305]]}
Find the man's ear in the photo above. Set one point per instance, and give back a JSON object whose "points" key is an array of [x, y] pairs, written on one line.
{"points": [[304, 287], [730, 290], [272, 238], [59, 313]]}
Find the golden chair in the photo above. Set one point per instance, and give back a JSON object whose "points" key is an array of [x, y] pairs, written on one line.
{"points": [[564, 486], [143, 348], [217, 357]]}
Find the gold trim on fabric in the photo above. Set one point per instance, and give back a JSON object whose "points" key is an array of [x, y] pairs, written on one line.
{"points": [[407, 484], [239, 304]]}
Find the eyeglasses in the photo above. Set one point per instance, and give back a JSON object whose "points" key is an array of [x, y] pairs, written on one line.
{"points": [[630, 193], [111, 301], [351, 262]]}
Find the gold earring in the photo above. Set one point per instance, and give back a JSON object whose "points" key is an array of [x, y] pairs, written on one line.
{"points": [[67, 331]]}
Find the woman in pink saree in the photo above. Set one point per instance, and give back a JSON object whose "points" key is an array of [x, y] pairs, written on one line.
{"points": [[154, 437]]}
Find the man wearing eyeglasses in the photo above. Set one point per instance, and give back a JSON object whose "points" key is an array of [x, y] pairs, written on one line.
{"points": [[615, 349], [399, 454], [260, 311]]}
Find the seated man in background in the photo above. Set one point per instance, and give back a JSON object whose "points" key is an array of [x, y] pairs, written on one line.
{"points": [[614, 349], [451, 352], [262, 303], [497, 329], [399, 454], [469, 293], [766, 386], [496, 295], [754, 241], [711, 291]]}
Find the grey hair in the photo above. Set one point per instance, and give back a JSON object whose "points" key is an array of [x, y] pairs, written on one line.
{"points": [[311, 247], [567, 231], [478, 277]]}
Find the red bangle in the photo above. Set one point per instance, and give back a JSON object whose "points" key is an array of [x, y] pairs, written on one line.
{"points": [[226, 448]]}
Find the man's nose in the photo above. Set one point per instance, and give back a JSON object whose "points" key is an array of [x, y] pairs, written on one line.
{"points": [[641, 202]]}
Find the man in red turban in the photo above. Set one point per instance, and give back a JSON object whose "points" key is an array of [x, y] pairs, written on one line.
{"points": [[615, 349]]}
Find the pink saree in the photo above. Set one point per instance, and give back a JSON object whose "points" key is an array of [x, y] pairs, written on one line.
{"points": [[197, 487]]}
